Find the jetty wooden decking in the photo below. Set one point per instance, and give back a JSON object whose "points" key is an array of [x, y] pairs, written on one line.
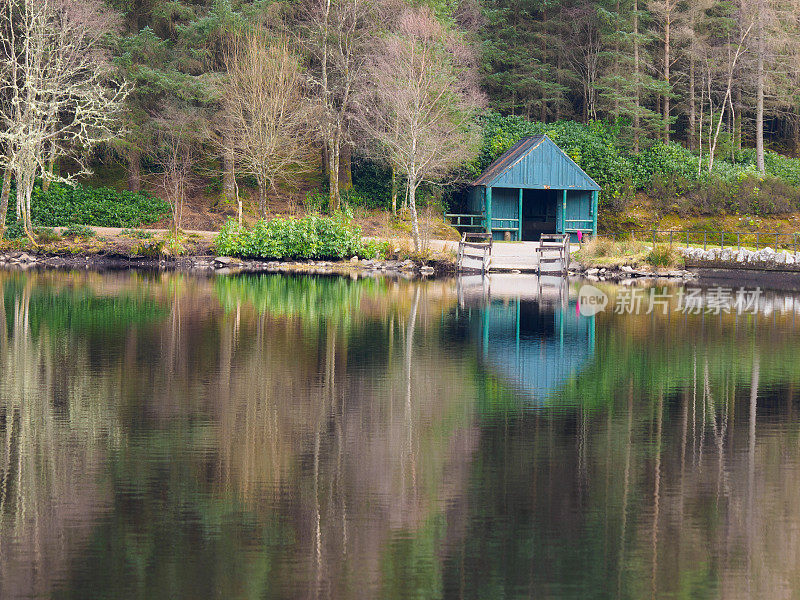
{"points": [[525, 257]]}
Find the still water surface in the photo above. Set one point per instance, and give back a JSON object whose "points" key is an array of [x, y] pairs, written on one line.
{"points": [[164, 436]]}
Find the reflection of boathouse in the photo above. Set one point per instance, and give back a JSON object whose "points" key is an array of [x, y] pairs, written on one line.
{"points": [[535, 344]]}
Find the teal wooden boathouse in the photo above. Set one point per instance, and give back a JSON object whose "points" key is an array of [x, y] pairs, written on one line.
{"points": [[533, 188]]}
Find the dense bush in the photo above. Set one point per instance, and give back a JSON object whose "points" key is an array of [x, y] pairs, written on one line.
{"points": [[82, 205], [101, 207], [596, 147], [309, 237], [372, 185], [670, 173]]}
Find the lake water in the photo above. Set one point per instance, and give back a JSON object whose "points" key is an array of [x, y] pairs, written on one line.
{"points": [[166, 436]]}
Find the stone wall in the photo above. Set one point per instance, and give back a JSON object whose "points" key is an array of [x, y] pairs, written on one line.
{"points": [[765, 259]]}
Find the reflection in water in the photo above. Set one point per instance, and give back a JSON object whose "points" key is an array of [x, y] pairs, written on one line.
{"points": [[272, 437]]}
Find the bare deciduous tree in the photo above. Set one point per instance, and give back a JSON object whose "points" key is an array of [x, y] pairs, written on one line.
{"points": [[266, 112], [337, 34], [176, 157], [419, 106], [724, 69], [59, 98]]}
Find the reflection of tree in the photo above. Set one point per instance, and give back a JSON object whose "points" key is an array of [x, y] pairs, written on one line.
{"points": [[54, 435], [689, 492], [234, 449]]}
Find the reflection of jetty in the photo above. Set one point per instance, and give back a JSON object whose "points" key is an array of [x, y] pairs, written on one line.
{"points": [[551, 289], [529, 332]]}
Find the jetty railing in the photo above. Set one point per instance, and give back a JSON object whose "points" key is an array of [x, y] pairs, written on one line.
{"points": [[554, 248], [712, 239], [475, 248]]}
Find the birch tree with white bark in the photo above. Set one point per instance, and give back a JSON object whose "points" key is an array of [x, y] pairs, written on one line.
{"points": [[337, 35], [59, 96], [419, 105]]}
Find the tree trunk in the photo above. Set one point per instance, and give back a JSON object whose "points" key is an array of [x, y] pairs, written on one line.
{"points": [[4, 194], [615, 109], [557, 115], [134, 170], [760, 88], [262, 199], [46, 177], [637, 119], [667, 91], [796, 131], [737, 120], [228, 169], [412, 205], [333, 174], [394, 191], [692, 103], [345, 168], [24, 192]]}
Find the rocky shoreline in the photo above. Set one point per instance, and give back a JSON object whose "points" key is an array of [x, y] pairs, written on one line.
{"points": [[226, 265], [627, 275]]}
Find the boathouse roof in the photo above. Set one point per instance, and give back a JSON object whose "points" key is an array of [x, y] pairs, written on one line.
{"points": [[536, 162]]}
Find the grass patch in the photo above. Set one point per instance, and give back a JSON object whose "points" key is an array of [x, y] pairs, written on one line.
{"points": [[139, 234], [606, 252], [663, 256], [46, 235]]}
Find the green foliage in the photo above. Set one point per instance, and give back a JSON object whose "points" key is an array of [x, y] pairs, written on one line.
{"points": [[316, 202], [662, 256], [309, 237], [101, 207], [372, 184], [46, 234], [14, 229], [670, 173], [140, 234], [62, 205], [75, 230]]}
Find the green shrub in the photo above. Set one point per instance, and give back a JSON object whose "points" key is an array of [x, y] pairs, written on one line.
{"points": [[372, 184], [77, 230], [662, 256], [316, 202], [309, 237], [46, 234], [101, 207], [14, 230], [139, 234]]}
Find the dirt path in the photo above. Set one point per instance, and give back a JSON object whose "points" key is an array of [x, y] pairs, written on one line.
{"points": [[118, 232]]}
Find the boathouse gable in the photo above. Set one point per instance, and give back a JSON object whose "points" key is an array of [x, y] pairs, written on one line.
{"points": [[532, 188]]}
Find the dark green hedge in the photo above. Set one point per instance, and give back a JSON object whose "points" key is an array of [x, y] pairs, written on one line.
{"points": [[82, 205]]}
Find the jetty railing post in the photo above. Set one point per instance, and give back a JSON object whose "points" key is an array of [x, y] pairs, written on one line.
{"points": [[722, 240], [795, 243], [705, 239], [758, 234], [777, 243], [670, 238], [738, 242], [687, 239]]}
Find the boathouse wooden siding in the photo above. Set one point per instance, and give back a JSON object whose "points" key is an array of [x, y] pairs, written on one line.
{"points": [[534, 188]]}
